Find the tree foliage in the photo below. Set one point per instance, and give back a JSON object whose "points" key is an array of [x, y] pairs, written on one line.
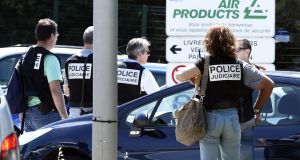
{"points": [[287, 15]]}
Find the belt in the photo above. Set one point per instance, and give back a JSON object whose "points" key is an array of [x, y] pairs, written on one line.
{"points": [[223, 105], [86, 109], [38, 107]]}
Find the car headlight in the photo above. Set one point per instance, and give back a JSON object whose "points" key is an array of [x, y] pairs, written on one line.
{"points": [[30, 136]]}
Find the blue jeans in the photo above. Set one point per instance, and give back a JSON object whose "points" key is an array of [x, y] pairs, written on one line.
{"points": [[34, 119], [223, 135], [247, 140]]}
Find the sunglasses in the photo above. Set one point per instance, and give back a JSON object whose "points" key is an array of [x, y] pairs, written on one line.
{"points": [[240, 49], [148, 52]]}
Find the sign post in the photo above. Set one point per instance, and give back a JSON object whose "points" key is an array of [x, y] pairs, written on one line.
{"points": [[187, 22], [251, 18]]}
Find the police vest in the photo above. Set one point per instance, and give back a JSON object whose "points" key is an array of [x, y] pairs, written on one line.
{"points": [[247, 103], [74, 68], [225, 83], [129, 81], [35, 81]]}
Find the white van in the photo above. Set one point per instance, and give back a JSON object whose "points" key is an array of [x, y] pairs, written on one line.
{"points": [[9, 146]]}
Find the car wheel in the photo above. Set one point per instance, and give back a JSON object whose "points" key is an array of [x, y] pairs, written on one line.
{"points": [[66, 154]]}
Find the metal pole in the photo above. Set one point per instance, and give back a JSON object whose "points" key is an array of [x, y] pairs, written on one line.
{"points": [[104, 80]]}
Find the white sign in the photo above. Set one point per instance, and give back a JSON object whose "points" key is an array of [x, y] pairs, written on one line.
{"points": [[186, 49], [246, 18], [173, 68]]}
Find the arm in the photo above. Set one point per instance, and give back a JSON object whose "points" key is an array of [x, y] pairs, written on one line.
{"points": [[58, 98], [66, 84], [255, 79], [265, 88], [191, 73], [53, 72]]}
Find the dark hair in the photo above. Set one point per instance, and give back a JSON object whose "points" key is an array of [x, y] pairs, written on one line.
{"points": [[44, 29], [220, 41], [245, 44]]}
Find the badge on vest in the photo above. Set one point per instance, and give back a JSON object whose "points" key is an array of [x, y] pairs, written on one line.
{"points": [[224, 72], [37, 61], [75, 70], [128, 76]]}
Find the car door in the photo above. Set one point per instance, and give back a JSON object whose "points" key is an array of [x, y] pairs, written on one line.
{"points": [[157, 139], [280, 121], [7, 64]]}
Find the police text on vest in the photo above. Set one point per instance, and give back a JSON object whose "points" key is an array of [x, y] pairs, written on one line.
{"points": [[224, 72], [75, 70], [128, 76]]}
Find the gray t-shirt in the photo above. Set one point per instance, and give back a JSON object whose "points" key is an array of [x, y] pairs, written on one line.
{"points": [[252, 76]]}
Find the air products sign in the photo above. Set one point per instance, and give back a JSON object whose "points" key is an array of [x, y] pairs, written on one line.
{"points": [[246, 18]]}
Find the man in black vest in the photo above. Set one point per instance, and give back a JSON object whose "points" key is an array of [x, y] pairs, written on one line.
{"points": [[79, 77], [42, 79], [134, 80], [249, 117]]}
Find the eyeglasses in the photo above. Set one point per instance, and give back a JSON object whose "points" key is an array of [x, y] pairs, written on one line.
{"points": [[148, 52], [240, 49]]}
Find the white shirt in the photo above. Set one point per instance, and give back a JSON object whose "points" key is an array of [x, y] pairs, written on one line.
{"points": [[148, 82]]}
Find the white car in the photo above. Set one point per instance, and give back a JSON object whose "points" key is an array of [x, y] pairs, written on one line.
{"points": [[9, 146], [10, 55]]}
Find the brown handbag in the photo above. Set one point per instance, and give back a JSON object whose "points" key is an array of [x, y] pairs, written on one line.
{"points": [[190, 118]]}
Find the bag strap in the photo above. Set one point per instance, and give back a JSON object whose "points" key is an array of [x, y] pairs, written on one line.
{"points": [[22, 90], [83, 85], [204, 78]]}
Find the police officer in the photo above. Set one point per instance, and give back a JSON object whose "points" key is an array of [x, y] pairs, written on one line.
{"points": [[248, 117], [226, 83], [133, 79], [79, 77], [42, 79]]}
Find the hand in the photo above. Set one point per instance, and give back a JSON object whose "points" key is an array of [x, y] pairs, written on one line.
{"points": [[194, 81], [64, 117], [257, 119]]}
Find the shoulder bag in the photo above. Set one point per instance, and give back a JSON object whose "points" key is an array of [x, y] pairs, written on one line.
{"points": [[190, 118]]}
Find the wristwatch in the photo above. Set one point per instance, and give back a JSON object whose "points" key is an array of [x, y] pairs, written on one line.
{"points": [[256, 111]]}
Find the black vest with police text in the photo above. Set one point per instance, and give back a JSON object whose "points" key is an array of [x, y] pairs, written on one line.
{"points": [[74, 68], [129, 81], [247, 102], [35, 81], [225, 83]]}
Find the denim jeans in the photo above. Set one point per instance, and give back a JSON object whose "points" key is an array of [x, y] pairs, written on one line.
{"points": [[34, 119], [247, 140], [223, 135], [76, 111]]}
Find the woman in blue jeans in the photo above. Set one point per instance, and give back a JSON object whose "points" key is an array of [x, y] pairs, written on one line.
{"points": [[227, 78]]}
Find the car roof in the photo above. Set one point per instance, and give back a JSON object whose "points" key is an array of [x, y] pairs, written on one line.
{"points": [[287, 74], [62, 49]]}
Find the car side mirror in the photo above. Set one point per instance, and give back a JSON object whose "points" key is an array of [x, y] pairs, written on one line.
{"points": [[141, 120]]}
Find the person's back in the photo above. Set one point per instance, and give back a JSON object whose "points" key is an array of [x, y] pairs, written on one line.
{"points": [[247, 113], [42, 77], [134, 80], [79, 77], [226, 80]]}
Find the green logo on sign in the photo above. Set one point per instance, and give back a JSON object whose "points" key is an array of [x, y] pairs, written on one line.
{"points": [[255, 12]]}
